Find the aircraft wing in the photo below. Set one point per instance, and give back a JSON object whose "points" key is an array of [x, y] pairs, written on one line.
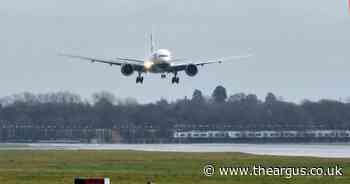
{"points": [[130, 59], [137, 64], [182, 66]]}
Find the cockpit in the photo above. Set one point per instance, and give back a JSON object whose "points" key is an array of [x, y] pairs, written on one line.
{"points": [[163, 55]]}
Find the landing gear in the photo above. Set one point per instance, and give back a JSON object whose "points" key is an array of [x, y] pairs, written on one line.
{"points": [[163, 76], [175, 79], [139, 79]]}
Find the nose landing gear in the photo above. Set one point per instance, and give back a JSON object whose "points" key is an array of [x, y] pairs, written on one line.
{"points": [[163, 76]]}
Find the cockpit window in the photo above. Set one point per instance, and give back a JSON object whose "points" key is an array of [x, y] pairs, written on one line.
{"points": [[162, 55]]}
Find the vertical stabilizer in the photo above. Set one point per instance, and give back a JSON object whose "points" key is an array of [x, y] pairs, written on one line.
{"points": [[152, 43]]}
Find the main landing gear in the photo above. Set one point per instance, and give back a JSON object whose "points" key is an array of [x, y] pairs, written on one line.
{"points": [[163, 76], [139, 79], [175, 79]]}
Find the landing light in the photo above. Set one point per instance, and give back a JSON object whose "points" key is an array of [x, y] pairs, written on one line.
{"points": [[148, 65]]}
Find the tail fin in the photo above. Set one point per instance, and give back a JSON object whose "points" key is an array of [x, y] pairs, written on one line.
{"points": [[152, 43]]}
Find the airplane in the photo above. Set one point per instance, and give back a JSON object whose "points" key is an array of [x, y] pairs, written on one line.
{"points": [[160, 61]]}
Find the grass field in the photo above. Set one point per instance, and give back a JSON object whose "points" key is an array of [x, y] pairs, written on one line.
{"points": [[53, 167], [10, 146]]}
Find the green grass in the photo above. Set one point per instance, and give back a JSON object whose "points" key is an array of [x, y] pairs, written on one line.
{"points": [[10, 146], [61, 167]]}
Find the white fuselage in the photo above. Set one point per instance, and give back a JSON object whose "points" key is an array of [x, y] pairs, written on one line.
{"points": [[158, 62]]}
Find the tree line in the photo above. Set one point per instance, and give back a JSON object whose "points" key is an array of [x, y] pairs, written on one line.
{"points": [[240, 110]]}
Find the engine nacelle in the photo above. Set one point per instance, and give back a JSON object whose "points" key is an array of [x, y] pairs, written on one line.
{"points": [[191, 70], [127, 69]]}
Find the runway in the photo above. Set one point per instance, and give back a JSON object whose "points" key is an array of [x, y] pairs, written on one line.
{"points": [[314, 150]]}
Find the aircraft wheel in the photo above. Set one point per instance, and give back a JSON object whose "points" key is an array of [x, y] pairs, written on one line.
{"points": [[177, 80], [139, 80]]}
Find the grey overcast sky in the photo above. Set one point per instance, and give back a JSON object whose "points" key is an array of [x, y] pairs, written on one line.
{"points": [[300, 47]]}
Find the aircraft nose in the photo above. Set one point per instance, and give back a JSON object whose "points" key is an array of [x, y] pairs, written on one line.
{"points": [[164, 59]]}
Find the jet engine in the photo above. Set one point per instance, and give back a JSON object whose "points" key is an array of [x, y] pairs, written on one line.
{"points": [[127, 69], [191, 70]]}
